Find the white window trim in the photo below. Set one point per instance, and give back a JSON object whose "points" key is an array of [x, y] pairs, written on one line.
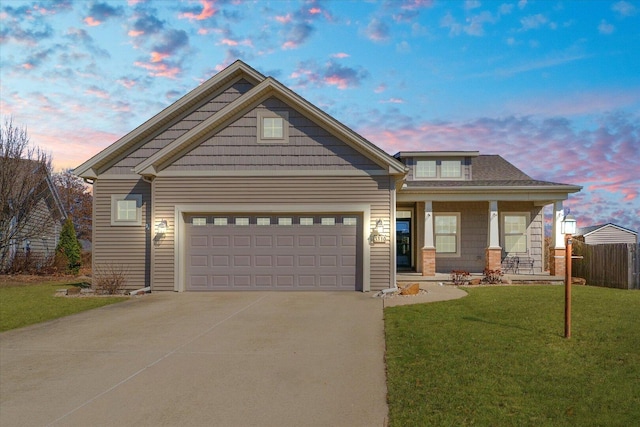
{"points": [[115, 198], [458, 252], [284, 115], [527, 233]]}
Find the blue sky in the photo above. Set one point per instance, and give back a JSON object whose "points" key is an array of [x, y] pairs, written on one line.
{"points": [[552, 86]]}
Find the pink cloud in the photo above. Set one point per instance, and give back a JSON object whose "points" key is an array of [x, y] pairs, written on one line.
{"points": [[315, 10], [289, 45], [284, 19], [158, 57], [90, 21], [380, 88], [207, 11], [133, 33], [159, 69], [97, 92], [340, 55], [128, 83]]}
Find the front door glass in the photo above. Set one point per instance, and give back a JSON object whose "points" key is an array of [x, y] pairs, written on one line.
{"points": [[403, 243]]}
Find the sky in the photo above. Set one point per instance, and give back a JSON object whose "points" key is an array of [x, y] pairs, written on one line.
{"points": [[552, 86]]}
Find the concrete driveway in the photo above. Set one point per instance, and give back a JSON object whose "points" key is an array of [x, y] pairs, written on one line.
{"points": [[223, 359]]}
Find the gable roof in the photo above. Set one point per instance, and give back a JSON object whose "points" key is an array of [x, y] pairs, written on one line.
{"points": [[585, 231], [265, 87]]}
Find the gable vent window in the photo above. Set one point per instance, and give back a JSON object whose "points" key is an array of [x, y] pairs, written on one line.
{"points": [[126, 209], [273, 127]]}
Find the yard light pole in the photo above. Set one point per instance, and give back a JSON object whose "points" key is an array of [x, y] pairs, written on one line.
{"points": [[568, 228]]}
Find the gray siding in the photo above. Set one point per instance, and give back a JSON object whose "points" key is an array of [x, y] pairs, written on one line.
{"points": [[127, 246], [535, 229], [169, 192], [310, 147], [148, 148], [474, 220], [608, 234]]}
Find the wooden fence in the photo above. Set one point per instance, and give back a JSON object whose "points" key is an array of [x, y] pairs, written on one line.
{"points": [[612, 266]]}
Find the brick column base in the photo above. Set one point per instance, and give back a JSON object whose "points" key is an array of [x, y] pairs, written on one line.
{"points": [[492, 259], [557, 265], [428, 261]]}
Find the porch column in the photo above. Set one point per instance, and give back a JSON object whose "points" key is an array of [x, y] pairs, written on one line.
{"points": [[557, 264], [493, 252], [429, 249]]}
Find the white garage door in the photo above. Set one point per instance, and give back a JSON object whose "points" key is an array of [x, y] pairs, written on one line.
{"points": [[283, 252]]}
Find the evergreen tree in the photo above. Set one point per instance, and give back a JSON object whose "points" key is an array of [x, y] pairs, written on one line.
{"points": [[68, 248]]}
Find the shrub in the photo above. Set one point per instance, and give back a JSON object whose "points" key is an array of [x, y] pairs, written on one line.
{"points": [[459, 277], [492, 276], [109, 279], [68, 248]]}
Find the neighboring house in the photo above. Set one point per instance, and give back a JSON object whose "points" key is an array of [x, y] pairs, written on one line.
{"points": [[243, 184], [606, 233], [33, 217]]}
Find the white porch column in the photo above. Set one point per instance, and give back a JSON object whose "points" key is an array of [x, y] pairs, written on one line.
{"points": [[494, 220], [557, 264], [429, 249], [428, 225], [558, 216]]}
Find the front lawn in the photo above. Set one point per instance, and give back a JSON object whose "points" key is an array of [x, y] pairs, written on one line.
{"points": [[23, 304], [498, 358]]}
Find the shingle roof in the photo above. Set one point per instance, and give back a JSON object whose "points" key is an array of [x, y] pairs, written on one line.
{"points": [[488, 171]]}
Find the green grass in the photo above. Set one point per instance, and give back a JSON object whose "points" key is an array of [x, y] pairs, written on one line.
{"points": [[498, 358], [26, 304]]}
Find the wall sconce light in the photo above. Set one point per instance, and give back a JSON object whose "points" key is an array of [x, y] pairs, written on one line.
{"points": [[161, 227], [377, 235]]}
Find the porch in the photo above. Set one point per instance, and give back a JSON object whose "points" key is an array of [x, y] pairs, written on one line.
{"points": [[517, 279]]}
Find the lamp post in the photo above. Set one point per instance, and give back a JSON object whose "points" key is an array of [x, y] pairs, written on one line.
{"points": [[568, 228]]}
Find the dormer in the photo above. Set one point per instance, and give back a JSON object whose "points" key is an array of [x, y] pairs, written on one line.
{"points": [[438, 165]]}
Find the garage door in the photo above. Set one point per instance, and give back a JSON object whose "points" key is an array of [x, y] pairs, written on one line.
{"points": [[283, 252]]}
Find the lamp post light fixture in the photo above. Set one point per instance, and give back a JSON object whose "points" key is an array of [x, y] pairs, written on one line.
{"points": [[568, 228]]}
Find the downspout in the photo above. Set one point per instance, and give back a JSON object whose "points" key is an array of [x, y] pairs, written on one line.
{"points": [[393, 286]]}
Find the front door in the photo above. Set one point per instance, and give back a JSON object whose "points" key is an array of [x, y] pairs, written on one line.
{"points": [[403, 243]]}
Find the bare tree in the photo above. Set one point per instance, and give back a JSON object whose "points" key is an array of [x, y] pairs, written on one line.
{"points": [[77, 201], [24, 171]]}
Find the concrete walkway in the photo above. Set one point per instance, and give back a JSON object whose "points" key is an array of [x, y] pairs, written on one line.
{"points": [[224, 359], [432, 292]]}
